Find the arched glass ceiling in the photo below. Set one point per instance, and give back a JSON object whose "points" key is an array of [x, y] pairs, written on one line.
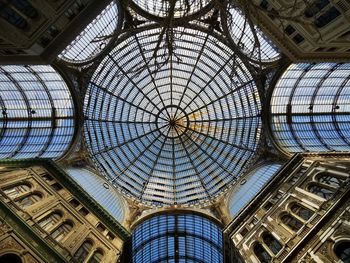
{"points": [[310, 108], [244, 192], [255, 45], [177, 238], [86, 45], [97, 188], [181, 134], [37, 113], [161, 9]]}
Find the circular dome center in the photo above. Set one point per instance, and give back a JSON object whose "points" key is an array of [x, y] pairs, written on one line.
{"points": [[172, 121]]}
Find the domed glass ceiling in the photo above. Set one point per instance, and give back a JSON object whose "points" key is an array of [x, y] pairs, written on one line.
{"points": [[179, 131]]}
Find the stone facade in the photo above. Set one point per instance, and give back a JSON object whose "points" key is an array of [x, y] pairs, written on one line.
{"points": [[300, 216], [40, 204]]}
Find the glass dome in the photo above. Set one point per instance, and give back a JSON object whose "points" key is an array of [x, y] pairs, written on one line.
{"points": [[248, 187], [98, 189], [310, 108], [179, 131], [37, 113], [161, 9], [89, 43], [252, 41]]}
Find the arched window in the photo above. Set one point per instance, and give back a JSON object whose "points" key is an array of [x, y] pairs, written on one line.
{"points": [[290, 221], [50, 221], [321, 191], [261, 253], [342, 250], [329, 179], [301, 211], [273, 244], [28, 200], [62, 231], [24, 7], [10, 257], [16, 190], [96, 257], [83, 251], [12, 17]]}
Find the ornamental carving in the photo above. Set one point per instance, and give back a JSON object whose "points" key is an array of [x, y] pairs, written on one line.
{"points": [[10, 243]]}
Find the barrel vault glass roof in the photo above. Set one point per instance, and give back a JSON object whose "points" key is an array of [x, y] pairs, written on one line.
{"points": [[310, 108], [37, 113], [179, 131]]}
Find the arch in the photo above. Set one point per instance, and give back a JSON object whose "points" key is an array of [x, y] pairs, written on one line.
{"points": [[10, 258], [97, 256], [18, 189], [272, 243], [261, 253], [83, 251], [321, 190], [301, 211], [28, 200], [50, 221], [329, 179], [62, 231], [92, 40], [291, 222], [37, 112], [252, 41], [342, 250], [309, 108]]}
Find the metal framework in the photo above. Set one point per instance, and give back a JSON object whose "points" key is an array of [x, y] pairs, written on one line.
{"points": [[310, 108], [94, 38], [251, 41], [157, 9], [185, 238], [37, 113], [176, 131], [250, 185], [100, 190]]}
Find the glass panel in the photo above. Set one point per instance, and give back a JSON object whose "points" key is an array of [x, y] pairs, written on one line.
{"points": [[94, 38], [273, 244], [28, 200], [330, 180], [321, 191], [301, 211], [50, 221], [262, 254], [242, 194], [83, 251], [102, 192], [184, 236], [291, 222], [17, 190], [62, 231], [96, 257]]}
